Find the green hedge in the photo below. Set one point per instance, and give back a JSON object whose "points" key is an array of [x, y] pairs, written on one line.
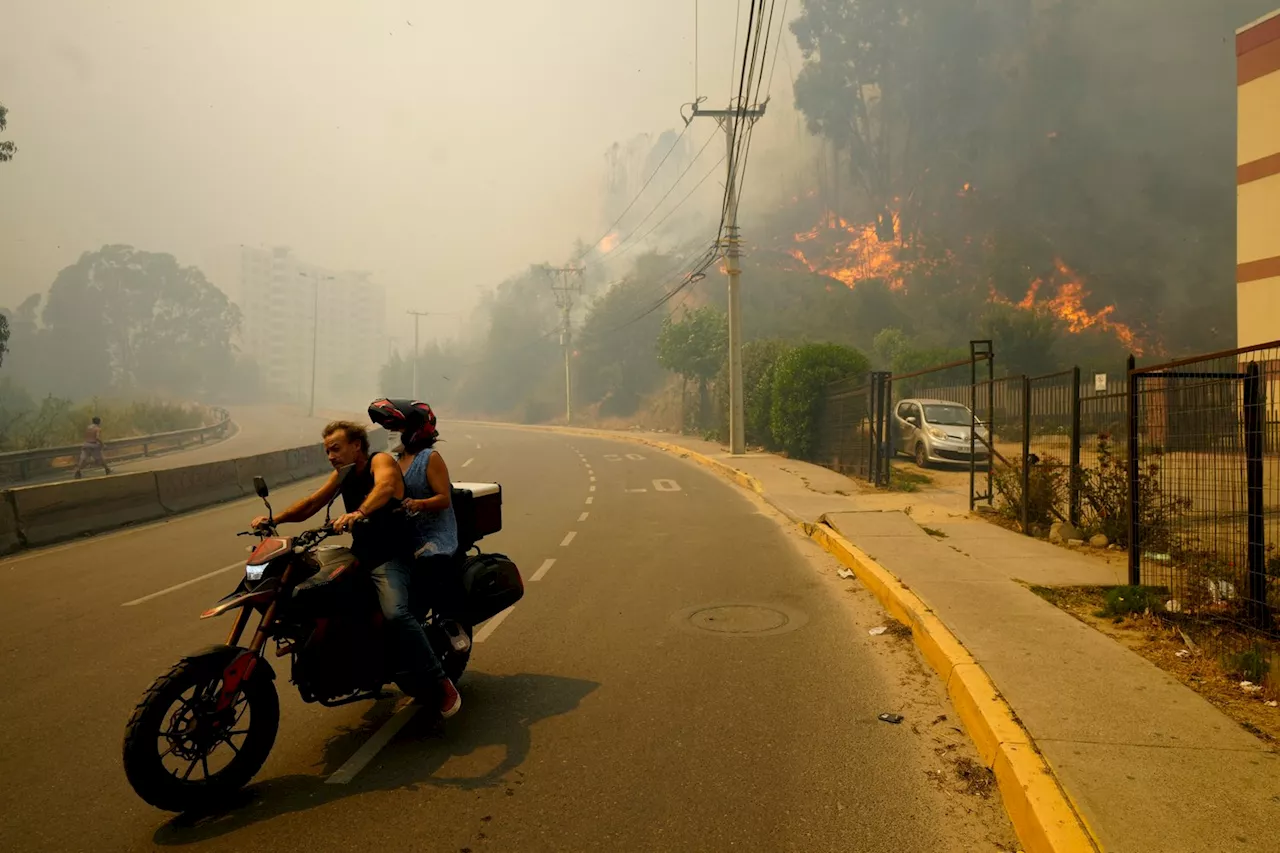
{"points": [[799, 377]]}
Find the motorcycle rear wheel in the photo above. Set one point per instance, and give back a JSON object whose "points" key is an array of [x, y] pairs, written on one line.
{"points": [[193, 733]]}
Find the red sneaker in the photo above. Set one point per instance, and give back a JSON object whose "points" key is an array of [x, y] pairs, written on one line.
{"points": [[450, 699]]}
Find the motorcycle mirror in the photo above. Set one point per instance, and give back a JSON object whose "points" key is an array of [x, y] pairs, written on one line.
{"points": [[260, 486]]}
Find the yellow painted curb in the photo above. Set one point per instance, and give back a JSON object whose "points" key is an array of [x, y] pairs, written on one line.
{"points": [[1039, 809], [1041, 812]]}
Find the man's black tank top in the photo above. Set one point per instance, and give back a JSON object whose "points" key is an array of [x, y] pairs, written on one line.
{"points": [[386, 534]]}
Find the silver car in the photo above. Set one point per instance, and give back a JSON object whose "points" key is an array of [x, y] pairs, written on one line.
{"points": [[937, 431]]}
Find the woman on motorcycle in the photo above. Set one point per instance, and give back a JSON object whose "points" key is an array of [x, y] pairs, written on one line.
{"points": [[427, 497]]}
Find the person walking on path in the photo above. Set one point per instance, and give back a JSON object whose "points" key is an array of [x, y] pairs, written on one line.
{"points": [[91, 450]]}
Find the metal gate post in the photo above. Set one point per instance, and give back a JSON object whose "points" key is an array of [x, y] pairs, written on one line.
{"points": [[1135, 499], [1253, 450]]}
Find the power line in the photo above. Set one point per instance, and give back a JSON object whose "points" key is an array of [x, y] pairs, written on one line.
{"points": [[643, 187], [615, 253], [744, 140], [737, 20], [777, 48], [747, 149]]}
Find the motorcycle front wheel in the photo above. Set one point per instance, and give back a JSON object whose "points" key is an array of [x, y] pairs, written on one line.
{"points": [[180, 752]]}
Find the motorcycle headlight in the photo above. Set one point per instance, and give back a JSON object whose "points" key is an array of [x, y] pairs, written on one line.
{"points": [[254, 573]]}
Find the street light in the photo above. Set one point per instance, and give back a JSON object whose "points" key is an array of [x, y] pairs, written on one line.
{"points": [[416, 315], [315, 336]]}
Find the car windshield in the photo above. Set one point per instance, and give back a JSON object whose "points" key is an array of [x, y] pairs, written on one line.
{"points": [[947, 415]]}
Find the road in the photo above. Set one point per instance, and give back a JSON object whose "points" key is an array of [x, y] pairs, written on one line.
{"points": [[595, 716], [259, 429]]}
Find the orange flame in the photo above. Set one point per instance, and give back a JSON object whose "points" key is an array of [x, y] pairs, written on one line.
{"points": [[856, 252], [1067, 304], [609, 243]]}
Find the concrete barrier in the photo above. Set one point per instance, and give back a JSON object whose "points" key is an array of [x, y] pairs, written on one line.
{"points": [[272, 467], [32, 516], [55, 512], [194, 486], [9, 539], [304, 462]]}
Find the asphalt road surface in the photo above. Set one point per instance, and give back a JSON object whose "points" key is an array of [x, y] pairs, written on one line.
{"points": [[608, 710]]}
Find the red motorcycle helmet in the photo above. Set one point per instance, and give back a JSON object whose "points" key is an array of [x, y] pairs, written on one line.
{"points": [[412, 419]]}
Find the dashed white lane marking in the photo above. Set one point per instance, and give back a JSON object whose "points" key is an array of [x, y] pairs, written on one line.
{"points": [[176, 587], [583, 517], [491, 625], [633, 491], [543, 569], [469, 438], [478, 445], [374, 745], [468, 462], [568, 538], [593, 479], [591, 500]]}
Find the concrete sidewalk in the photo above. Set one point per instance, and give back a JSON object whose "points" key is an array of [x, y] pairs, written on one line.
{"points": [[1149, 764]]}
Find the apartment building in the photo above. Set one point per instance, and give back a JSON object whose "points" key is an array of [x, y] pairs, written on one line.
{"points": [[1258, 182], [292, 308]]}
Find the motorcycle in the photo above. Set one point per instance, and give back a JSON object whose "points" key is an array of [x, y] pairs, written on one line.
{"points": [[319, 608]]}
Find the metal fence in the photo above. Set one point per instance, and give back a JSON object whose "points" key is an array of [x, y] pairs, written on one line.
{"points": [[1204, 484], [852, 436], [1179, 463], [21, 465]]}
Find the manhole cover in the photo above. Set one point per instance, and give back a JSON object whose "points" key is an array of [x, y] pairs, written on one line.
{"points": [[739, 620]]}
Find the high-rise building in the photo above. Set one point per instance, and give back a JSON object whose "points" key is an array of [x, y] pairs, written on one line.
{"points": [[290, 307], [1258, 182]]}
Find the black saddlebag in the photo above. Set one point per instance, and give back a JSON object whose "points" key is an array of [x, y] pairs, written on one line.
{"points": [[490, 584]]}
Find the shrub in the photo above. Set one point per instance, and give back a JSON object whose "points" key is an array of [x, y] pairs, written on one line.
{"points": [[1252, 664], [1047, 486], [758, 361], [800, 377], [1123, 601], [1104, 491]]}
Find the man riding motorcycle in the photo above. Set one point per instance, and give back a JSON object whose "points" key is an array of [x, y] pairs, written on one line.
{"points": [[382, 541]]}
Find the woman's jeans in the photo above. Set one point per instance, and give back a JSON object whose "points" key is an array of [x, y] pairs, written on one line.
{"points": [[409, 644]]}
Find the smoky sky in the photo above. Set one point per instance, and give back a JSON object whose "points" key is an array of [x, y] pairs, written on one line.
{"points": [[440, 146]]}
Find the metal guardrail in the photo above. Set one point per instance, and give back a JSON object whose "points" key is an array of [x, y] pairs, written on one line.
{"points": [[23, 464]]}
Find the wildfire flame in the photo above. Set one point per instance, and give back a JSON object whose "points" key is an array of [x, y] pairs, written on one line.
{"points": [[609, 243], [1067, 304], [857, 253]]}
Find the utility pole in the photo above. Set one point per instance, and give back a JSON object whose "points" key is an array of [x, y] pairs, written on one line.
{"points": [[416, 316], [733, 255], [564, 291], [315, 335]]}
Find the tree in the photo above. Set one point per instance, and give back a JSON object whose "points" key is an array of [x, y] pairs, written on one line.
{"points": [[903, 87], [130, 319], [7, 148], [4, 337], [519, 354], [618, 365], [695, 348]]}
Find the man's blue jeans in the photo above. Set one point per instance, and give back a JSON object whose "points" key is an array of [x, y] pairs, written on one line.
{"points": [[410, 646]]}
